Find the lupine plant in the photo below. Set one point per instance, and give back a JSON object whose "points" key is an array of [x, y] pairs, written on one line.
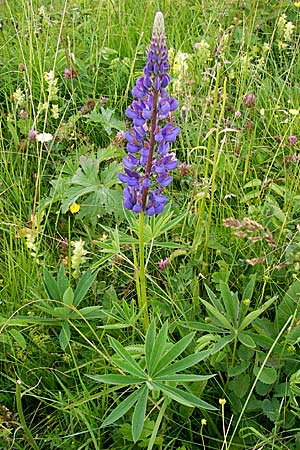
{"points": [[149, 159]]}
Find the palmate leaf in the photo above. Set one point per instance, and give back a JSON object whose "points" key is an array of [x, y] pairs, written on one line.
{"points": [[219, 316], [182, 364], [135, 369], [230, 301], [183, 397], [181, 378], [122, 408], [138, 418], [121, 380], [255, 314], [83, 285], [174, 352], [158, 348]]}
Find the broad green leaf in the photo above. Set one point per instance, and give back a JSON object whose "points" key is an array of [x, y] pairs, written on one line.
{"points": [[267, 375], [246, 340], [271, 409], [248, 291], [18, 337], [240, 385], [51, 285], [174, 352], [62, 312], [135, 369], [68, 297], [237, 370], [138, 418], [255, 314], [230, 302], [223, 342], [220, 318], [149, 342], [182, 364], [90, 312], [83, 285], [215, 300], [288, 305], [183, 397], [122, 408], [62, 282], [64, 335], [201, 326], [253, 183], [158, 348], [121, 380], [181, 378]]}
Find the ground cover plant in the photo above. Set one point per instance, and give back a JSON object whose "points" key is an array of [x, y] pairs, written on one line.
{"points": [[150, 225]]}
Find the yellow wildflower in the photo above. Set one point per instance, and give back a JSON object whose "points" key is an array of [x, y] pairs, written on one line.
{"points": [[74, 208]]}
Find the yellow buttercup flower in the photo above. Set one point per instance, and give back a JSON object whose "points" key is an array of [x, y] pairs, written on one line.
{"points": [[74, 208], [297, 4]]}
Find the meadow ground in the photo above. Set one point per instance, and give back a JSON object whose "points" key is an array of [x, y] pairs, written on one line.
{"points": [[123, 330]]}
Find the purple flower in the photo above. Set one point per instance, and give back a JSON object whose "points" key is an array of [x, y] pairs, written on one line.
{"points": [[163, 263], [249, 100], [292, 140], [32, 134], [149, 162]]}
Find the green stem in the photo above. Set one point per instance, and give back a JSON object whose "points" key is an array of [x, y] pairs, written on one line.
{"points": [[22, 418], [234, 351], [157, 424], [142, 277]]}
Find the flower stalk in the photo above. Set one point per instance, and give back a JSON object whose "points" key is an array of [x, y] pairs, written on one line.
{"points": [[149, 161]]}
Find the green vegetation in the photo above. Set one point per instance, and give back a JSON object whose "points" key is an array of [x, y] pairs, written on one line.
{"points": [[181, 332]]}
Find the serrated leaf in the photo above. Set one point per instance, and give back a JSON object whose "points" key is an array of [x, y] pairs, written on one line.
{"points": [[135, 369], [139, 413], [183, 397], [121, 409], [121, 380], [83, 285], [240, 385], [271, 409], [64, 335], [239, 369], [267, 375]]}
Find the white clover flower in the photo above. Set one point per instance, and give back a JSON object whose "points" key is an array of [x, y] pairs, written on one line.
{"points": [[44, 137]]}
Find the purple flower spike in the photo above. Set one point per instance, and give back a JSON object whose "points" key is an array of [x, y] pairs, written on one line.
{"points": [[149, 162]]}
